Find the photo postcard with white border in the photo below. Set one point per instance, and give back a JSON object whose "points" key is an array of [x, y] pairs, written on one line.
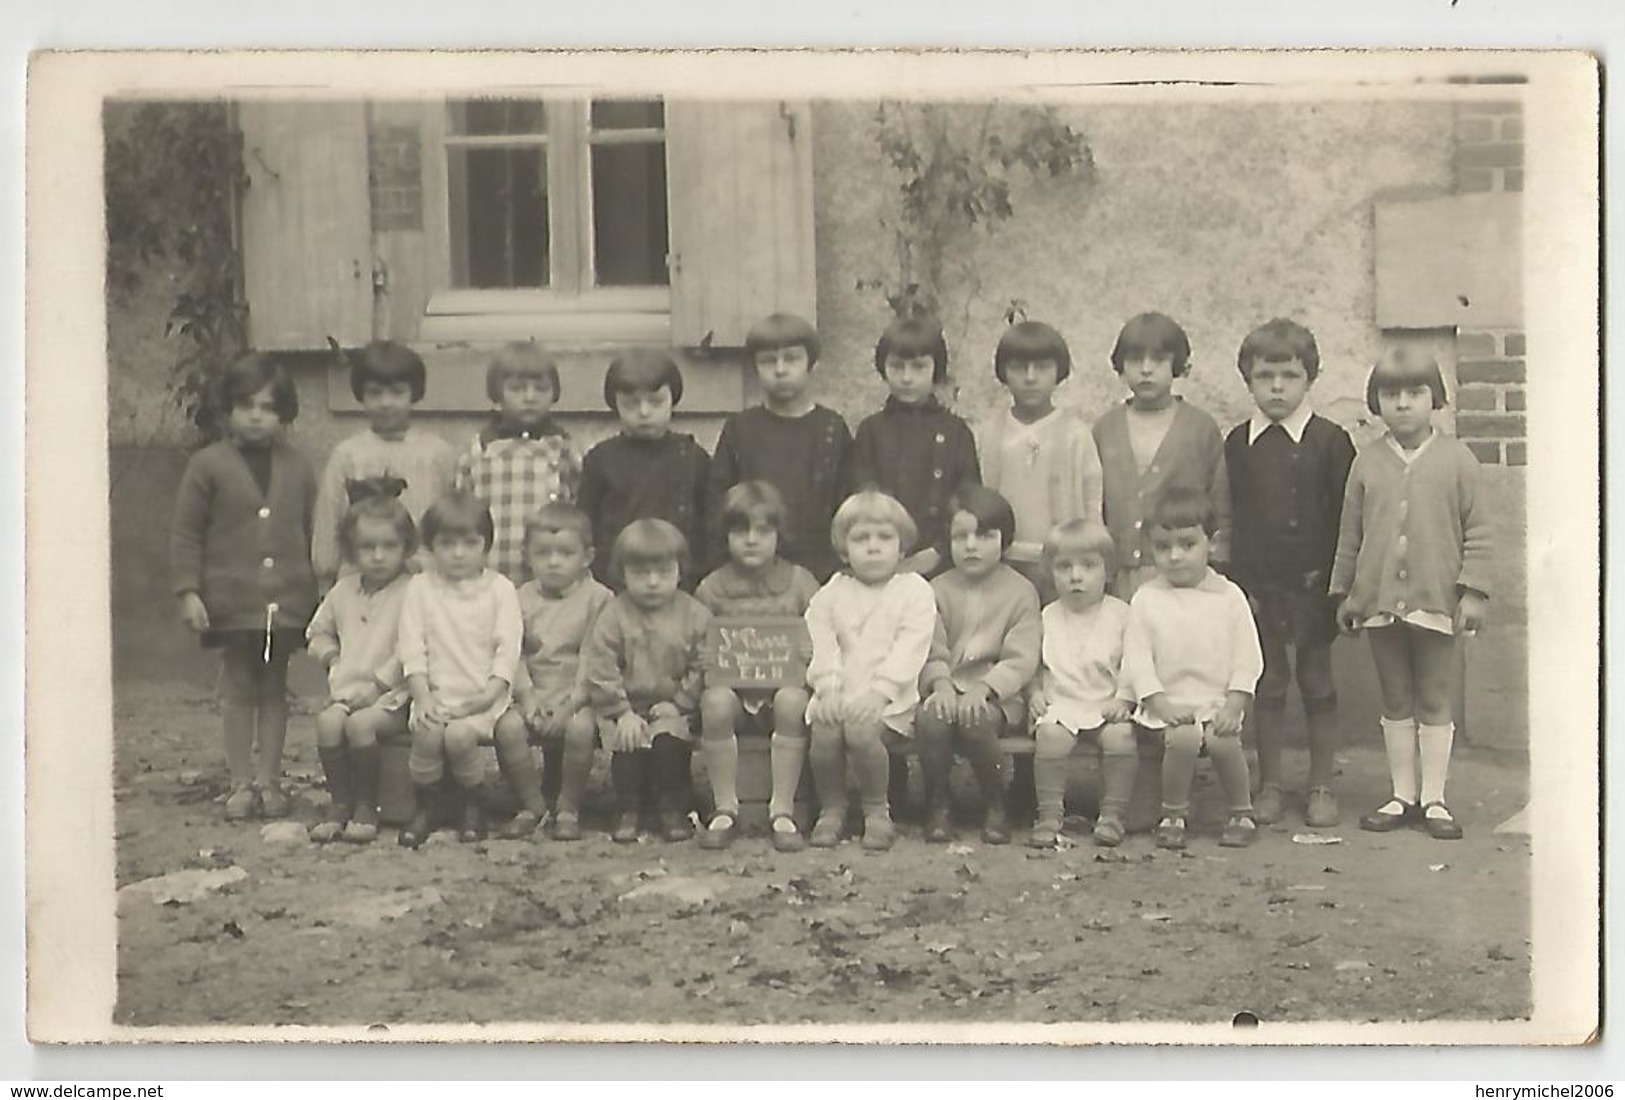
{"points": [[794, 227]]}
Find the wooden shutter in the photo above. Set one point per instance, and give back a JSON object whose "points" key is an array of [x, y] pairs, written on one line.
{"points": [[739, 178], [307, 230]]}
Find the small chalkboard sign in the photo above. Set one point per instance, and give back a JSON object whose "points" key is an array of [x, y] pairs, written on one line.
{"points": [[758, 651]]}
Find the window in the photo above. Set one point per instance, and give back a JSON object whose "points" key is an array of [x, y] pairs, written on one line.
{"points": [[567, 197]]}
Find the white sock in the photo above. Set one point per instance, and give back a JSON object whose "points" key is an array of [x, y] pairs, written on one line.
{"points": [[1399, 739], [1435, 742]]}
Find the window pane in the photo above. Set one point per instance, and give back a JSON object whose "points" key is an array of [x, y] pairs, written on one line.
{"points": [[498, 116], [628, 114], [498, 217], [629, 214]]}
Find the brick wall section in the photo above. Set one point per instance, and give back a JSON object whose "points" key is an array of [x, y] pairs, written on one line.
{"points": [[1490, 395], [1489, 145]]}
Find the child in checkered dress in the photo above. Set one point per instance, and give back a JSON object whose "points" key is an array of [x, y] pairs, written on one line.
{"points": [[522, 459]]}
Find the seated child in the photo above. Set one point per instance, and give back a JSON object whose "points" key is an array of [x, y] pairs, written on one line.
{"points": [[1288, 468], [459, 648], [522, 459], [1042, 459], [755, 581], [913, 449], [354, 636], [559, 603], [240, 556], [1153, 443], [871, 628], [1412, 571], [984, 653], [647, 471], [1080, 690], [1191, 657], [388, 379], [641, 669], [801, 448]]}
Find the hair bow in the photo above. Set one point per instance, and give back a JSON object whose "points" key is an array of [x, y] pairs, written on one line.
{"points": [[368, 488]]}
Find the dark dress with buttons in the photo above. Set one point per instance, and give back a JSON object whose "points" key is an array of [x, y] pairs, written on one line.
{"points": [[920, 454], [1288, 504], [623, 479]]}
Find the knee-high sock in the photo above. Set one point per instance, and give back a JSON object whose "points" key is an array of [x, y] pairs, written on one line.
{"points": [[934, 743], [626, 775], [987, 762], [271, 731], [1050, 764], [670, 760], [1268, 718], [577, 766], [1180, 747], [238, 722], [518, 765], [722, 765], [827, 754], [1230, 761], [787, 754], [1118, 771], [340, 772], [364, 770], [1435, 743], [552, 781], [1322, 727], [873, 764], [1399, 741]]}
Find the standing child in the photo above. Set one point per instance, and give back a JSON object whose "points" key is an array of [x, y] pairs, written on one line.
{"points": [[801, 448], [755, 581], [559, 604], [1042, 459], [1412, 570], [985, 651], [913, 449], [354, 636], [459, 648], [1191, 657], [642, 669], [388, 379], [647, 471], [1287, 469], [522, 459], [240, 554], [871, 628], [1080, 690], [1153, 443]]}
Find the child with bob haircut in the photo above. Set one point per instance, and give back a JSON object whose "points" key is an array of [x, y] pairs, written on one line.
{"points": [[354, 636], [1041, 458], [642, 669], [913, 449], [1413, 571], [1287, 469], [647, 471], [1191, 658], [1081, 691], [559, 605], [756, 580], [871, 628], [240, 563], [984, 653], [522, 459], [798, 446], [388, 379], [1153, 443], [459, 647]]}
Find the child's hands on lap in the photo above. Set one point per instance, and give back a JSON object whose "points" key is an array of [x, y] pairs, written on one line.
{"points": [[823, 709], [1118, 710], [1227, 723], [866, 709], [975, 705], [1166, 712], [1470, 612], [432, 716], [361, 696], [631, 733], [193, 614], [943, 703]]}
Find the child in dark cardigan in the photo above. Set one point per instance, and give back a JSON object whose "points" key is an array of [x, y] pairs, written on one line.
{"points": [[240, 555]]}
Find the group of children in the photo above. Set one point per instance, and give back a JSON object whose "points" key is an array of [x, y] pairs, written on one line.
{"points": [[1143, 584]]}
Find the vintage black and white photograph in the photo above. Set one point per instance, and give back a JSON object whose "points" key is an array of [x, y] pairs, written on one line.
{"points": [[951, 542]]}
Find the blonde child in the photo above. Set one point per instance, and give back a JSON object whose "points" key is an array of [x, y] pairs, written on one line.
{"points": [[523, 458], [1041, 458], [1192, 659], [459, 647], [642, 671], [754, 581], [1412, 571], [984, 654], [871, 628], [1080, 691], [354, 636], [560, 604], [388, 379], [240, 559], [1153, 443]]}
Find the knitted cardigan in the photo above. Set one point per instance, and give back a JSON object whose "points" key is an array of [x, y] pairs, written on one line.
{"points": [[988, 632], [1065, 458]]}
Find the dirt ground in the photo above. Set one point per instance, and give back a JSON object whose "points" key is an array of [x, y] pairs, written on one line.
{"points": [[537, 930]]}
